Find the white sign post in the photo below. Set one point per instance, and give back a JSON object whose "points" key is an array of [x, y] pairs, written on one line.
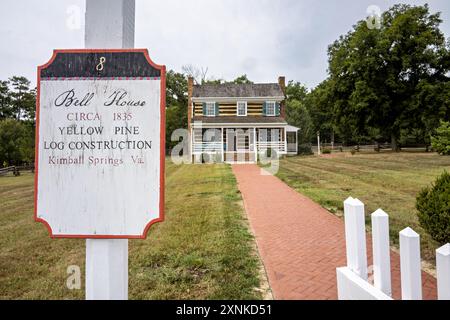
{"points": [[100, 145], [318, 143]]}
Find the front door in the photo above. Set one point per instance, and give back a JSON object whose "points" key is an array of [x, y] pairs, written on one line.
{"points": [[238, 146], [242, 140]]}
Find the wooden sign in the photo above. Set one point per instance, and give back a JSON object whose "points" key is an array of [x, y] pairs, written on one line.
{"points": [[100, 144]]}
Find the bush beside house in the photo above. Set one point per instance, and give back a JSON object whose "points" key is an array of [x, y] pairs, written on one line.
{"points": [[433, 205], [440, 142]]}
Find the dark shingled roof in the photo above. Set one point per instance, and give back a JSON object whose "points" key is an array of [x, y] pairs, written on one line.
{"points": [[232, 90], [241, 120]]}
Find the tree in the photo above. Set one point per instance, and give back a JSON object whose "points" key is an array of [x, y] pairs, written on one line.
{"points": [[23, 100], [17, 121], [176, 89], [297, 114], [27, 143], [29, 105], [12, 133], [296, 91], [413, 49], [296, 95], [176, 102], [242, 80], [199, 74], [377, 73], [176, 118], [320, 106], [348, 118], [434, 100], [5, 101], [213, 81], [433, 208], [441, 140]]}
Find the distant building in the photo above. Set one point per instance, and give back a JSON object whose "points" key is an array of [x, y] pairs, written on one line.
{"points": [[235, 122]]}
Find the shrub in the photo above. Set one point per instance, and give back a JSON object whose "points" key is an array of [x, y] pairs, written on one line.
{"points": [[326, 151], [433, 206], [440, 142], [16, 142], [305, 149]]}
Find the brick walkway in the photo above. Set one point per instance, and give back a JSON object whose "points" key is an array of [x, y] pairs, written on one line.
{"points": [[300, 243]]}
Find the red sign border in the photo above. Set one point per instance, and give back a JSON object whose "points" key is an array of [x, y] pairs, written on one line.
{"points": [[162, 69]]}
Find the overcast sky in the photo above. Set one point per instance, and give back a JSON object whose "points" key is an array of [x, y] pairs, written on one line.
{"points": [[260, 38]]}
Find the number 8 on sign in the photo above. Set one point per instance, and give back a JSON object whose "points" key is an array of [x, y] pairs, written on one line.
{"points": [[99, 67]]}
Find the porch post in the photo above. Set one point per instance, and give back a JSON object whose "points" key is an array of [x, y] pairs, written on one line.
{"points": [[285, 140], [255, 146], [191, 144], [223, 146], [296, 142]]}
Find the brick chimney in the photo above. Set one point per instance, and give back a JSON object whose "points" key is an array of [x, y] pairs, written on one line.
{"points": [[282, 83], [189, 107]]}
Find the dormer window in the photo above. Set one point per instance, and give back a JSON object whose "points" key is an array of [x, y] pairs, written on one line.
{"points": [[242, 108], [270, 108]]}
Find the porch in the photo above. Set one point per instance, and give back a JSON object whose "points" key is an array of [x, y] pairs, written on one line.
{"points": [[241, 145]]}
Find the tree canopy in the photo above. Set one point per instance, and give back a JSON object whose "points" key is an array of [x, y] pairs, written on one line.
{"points": [[393, 78], [17, 121]]}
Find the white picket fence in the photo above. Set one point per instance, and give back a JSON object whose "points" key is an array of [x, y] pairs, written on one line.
{"points": [[352, 280]]}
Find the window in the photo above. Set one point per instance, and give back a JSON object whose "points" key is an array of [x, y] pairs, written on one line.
{"points": [[210, 109], [242, 108], [270, 108]]}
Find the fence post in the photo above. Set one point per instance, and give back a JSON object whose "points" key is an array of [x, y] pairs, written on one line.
{"points": [[443, 272], [381, 251], [355, 236], [410, 265]]}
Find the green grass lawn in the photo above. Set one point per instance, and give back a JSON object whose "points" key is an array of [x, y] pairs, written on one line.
{"points": [[390, 181], [202, 251]]}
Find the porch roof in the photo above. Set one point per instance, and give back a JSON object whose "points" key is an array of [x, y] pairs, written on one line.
{"points": [[241, 120], [290, 128]]}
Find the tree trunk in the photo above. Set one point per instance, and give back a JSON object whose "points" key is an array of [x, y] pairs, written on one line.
{"points": [[394, 145]]}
